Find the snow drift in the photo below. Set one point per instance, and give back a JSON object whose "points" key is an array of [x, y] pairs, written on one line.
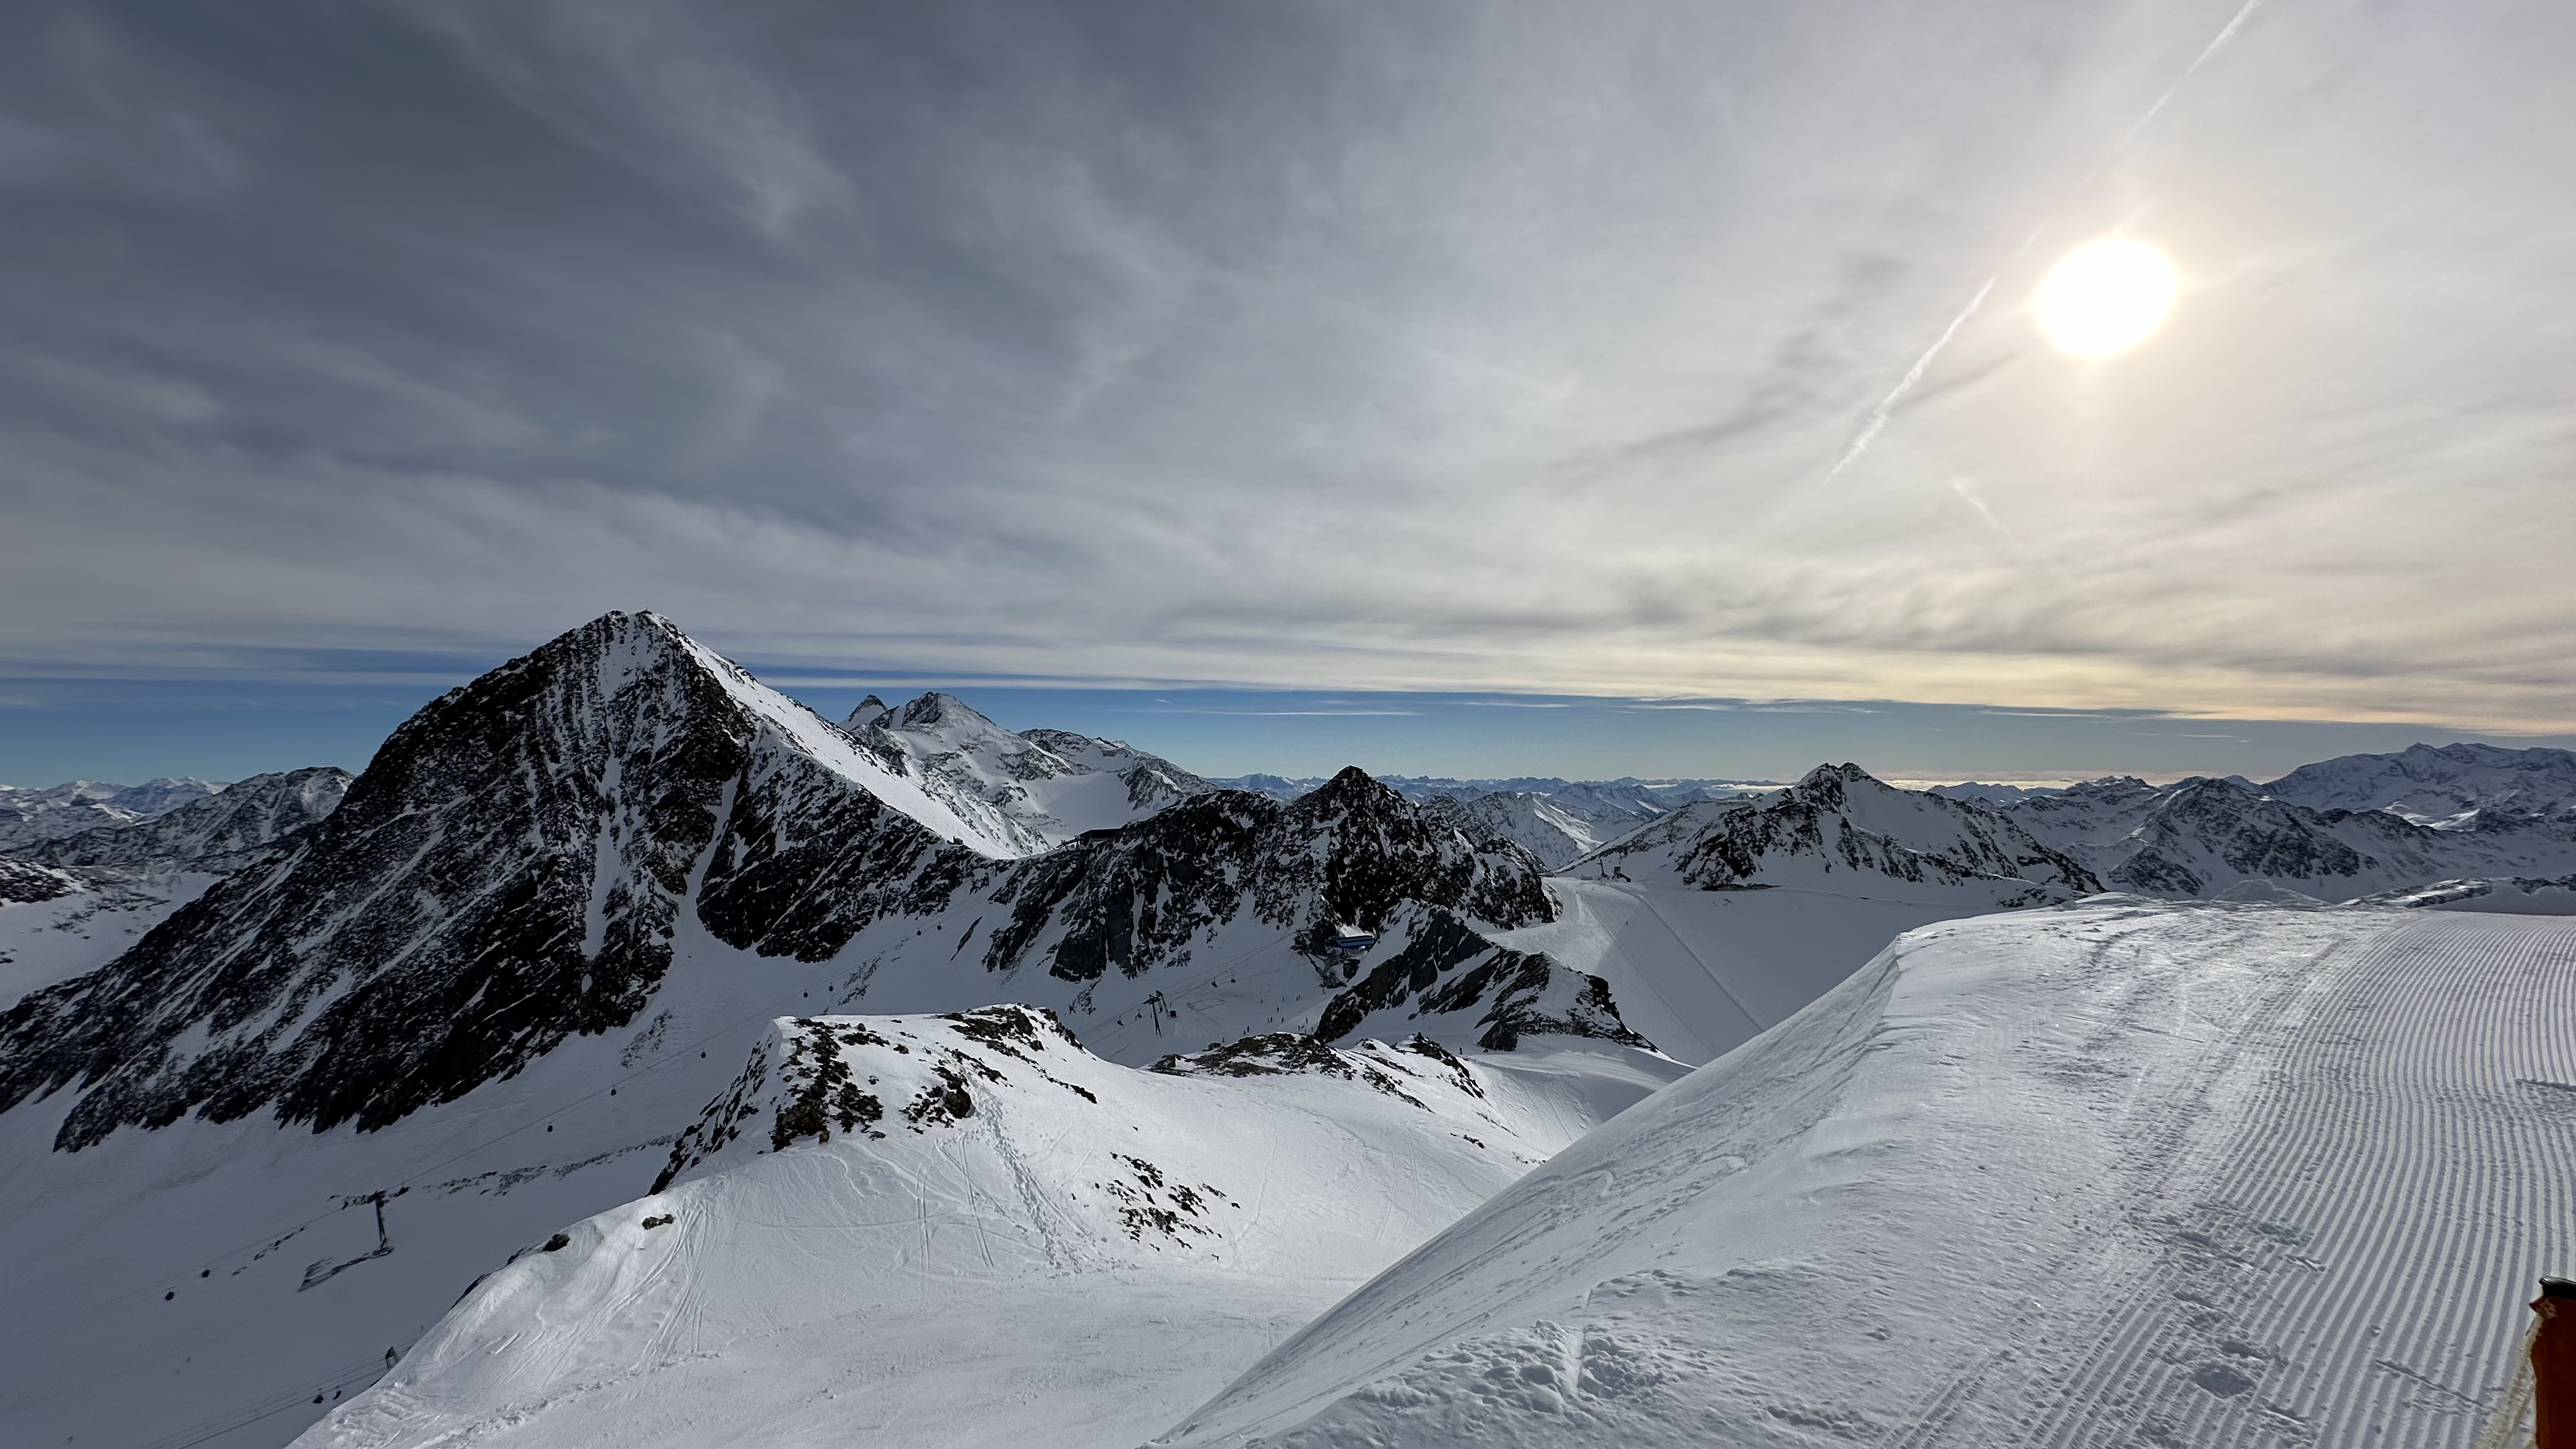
{"points": [[2119, 1173]]}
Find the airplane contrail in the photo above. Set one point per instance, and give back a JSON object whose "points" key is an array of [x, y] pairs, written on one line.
{"points": [[1876, 422]]}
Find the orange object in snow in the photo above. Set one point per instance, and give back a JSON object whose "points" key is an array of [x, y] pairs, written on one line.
{"points": [[2553, 1365]]}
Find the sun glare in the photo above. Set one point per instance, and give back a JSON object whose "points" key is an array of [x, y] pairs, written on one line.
{"points": [[2107, 296]]}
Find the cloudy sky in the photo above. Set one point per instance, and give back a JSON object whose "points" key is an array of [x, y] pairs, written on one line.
{"points": [[1646, 351]]}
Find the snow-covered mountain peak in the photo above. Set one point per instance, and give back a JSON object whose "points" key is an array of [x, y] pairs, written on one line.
{"points": [[1034, 789], [510, 870], [2450, 786], [216, 832], [29, 815], [1840, 828], [2201, 835], [966, 1229]]}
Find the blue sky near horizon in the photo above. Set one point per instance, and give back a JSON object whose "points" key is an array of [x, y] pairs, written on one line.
{"points": [[1639, 351], [130, 730]]}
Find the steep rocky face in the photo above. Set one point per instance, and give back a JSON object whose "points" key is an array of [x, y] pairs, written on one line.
{"points": [[217, 832], [514, 867], [1602, 810], [1352, 853], [2092, 815], [2201, 823], [1840, 827], [508, 871]]}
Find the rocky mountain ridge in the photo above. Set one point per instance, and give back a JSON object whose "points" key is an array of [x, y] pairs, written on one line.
{"points": [[2200, 836], [1031, 790], [2452, 786], [1841, 828], [29, 816], [218, 832], [519, 862]]}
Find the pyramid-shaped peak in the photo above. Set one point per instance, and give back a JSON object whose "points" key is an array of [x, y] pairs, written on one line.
{"points": [[1829, 781], [1352, 788], [937, 707], [614, 650], [867, 712]]}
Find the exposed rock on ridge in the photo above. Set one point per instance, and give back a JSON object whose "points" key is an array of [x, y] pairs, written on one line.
{"points": [[1841, 820], [506, 873], [219, 832]]}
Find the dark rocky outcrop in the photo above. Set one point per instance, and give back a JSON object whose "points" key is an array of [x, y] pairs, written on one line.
{"points": [[507, 873]]}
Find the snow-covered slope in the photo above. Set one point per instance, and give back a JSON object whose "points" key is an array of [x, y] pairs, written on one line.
{"points": [[966, 1230], [2448, 785], [539, 933], [57, 924], [215, 833], [2199, 837], [508, 872], [1216, 919], [1031, 790], [1531, 821], [30, 815], [2123, 1173], [1723, 918], [1841, 830]]}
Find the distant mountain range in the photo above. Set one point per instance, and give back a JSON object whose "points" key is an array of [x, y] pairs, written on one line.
{"points": [[614, 946]]}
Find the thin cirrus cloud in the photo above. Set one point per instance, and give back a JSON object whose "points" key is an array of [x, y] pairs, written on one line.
{"points": [[1486, 348]]}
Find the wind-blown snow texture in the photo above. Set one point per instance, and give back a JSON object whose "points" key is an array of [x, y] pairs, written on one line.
{"points": [[603, 867], [2113, 1174]]}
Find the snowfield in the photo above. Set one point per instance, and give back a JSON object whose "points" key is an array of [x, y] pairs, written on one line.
{"points": [[950, 1231], [527, 1064], [1699, 973], [2116, 1173], [53, 940]]}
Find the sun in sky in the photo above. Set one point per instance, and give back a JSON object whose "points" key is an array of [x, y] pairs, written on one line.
{"points": [[2106, 296]]}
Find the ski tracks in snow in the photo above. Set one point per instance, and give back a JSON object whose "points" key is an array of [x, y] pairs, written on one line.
{"points": [[2371, 1192]]}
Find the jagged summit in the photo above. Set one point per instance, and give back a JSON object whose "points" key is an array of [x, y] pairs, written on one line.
{"points": [[1034, 789], [213, 832], [30, 816], [2452, 786], [1841, 827], [2203, 835], [508, 871], [517, 864]]}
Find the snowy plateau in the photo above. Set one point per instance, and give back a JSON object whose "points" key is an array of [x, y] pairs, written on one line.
{"points": [[630, 1056]]}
